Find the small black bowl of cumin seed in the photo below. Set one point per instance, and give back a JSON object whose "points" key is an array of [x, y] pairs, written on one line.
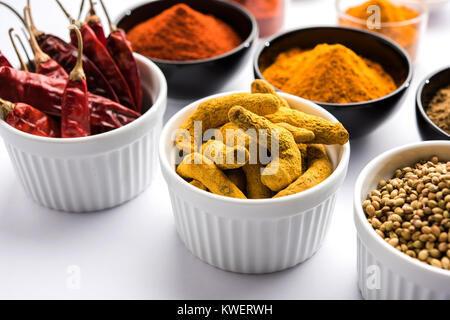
{"points": [[433, 106]]}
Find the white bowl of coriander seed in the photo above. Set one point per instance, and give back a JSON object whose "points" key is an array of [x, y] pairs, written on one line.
{"points": [[401, 212]]}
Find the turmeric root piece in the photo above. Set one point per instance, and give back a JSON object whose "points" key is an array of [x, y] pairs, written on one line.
{"points": [[214, 113], [225, 157], [326, 132], [319, 169], [287, 164], [262, 86], [199, 185], [304, 151], [197, 167], [255, 188], [301, 135], [237, 176], [234, 136]]}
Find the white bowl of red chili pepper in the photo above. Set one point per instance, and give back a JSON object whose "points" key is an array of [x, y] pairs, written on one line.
{"points": [[252, 235], [95, 172]]}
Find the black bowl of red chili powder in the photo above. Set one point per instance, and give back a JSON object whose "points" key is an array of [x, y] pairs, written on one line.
{"points": [[341, 54], [198, 44], [433, 106]]}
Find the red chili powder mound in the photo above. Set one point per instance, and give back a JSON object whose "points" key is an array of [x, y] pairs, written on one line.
{"points": [[181, 33]]}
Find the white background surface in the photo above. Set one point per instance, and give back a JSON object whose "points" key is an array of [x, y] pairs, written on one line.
{"points": [[133, 251]]}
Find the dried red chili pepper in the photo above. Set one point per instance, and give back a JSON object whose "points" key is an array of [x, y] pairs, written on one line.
{"points": [[66, 56], [12, 10], [98, 53], [28, 119], [3, 61], [37, 33], [101, 57], [93, 21], [31, 64], [19, 56], [121, 50], [44, 64], [75, 113], [45, 94]]}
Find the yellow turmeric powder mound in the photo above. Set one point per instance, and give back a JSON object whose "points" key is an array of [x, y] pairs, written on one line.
{"points": [[329, 73]]}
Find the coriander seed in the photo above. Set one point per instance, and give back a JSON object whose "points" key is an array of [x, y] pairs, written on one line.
{"points": [[411, 211]]}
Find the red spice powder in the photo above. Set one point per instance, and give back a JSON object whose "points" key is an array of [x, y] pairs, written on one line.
{"points": [[181, 33]]}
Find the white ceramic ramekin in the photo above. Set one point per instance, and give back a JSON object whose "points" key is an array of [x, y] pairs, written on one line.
{"points": [[96, 172], [252, 236], [383, 271]]}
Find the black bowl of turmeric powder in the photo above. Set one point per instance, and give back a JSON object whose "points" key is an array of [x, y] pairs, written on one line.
{"points": [[358, 76], [433, 106], [199, 45]]}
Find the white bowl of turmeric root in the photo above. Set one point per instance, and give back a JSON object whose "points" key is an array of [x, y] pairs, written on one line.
{"points": [[253, 177], [358, 76]]}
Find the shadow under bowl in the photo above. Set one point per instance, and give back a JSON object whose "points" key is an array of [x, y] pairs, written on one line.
{"points": [[197, 78], [425, 93], [359, 118]]}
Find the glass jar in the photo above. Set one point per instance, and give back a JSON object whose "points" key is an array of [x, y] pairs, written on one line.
{"points": [[268, 13], [406, 33]]}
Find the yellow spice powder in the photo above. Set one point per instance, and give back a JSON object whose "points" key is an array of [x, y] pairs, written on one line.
{"points": [[389, 12], [404, 34], [329, 73]]}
